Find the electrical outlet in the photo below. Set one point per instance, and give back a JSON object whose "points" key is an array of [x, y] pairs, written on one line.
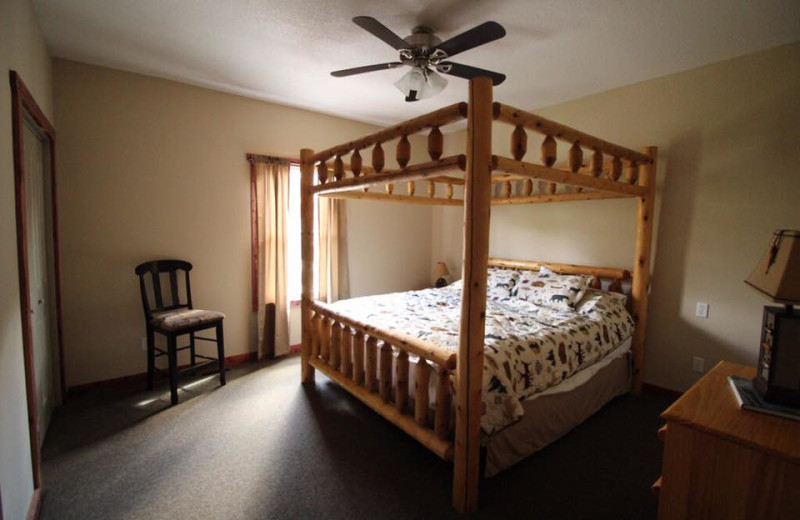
{"points": [[702, 310], [698, 365], [144, 343]]}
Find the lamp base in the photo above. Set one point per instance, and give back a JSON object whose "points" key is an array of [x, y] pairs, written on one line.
{"points": [[441, 282], [778, 371]]}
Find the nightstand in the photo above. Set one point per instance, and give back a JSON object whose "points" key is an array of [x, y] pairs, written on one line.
{"points": [[721, 462]]}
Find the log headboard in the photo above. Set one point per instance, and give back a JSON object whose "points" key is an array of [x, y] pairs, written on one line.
{"points": [[615, 276]]}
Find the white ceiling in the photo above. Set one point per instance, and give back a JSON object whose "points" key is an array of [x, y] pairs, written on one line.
{"points": [[284, 50]]}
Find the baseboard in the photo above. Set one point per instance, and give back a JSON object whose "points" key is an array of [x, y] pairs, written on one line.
{"points": [[35, 507], [240, 358], [660, 391], [142, 377]]}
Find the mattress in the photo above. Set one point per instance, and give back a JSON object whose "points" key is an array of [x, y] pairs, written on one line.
{"points": [[528, 348], [552, 414]]}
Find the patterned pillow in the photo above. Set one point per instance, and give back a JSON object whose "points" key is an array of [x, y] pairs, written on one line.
{"points": [[501, 283], [557, 291], [587, 304]]}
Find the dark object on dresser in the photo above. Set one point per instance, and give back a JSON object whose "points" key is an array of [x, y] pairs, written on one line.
{"points": [[778, 371], [777, 276]]}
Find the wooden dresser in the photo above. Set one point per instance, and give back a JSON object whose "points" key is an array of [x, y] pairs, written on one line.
{"points": [[723, 463]]}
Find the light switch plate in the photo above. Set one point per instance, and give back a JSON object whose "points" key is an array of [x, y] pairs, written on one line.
{"points": [[702, 310]]}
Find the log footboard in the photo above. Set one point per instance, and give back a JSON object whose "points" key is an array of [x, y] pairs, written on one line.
{"points": [[360, 359]]}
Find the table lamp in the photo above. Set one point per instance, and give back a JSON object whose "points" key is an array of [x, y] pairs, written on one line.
{"points": [[777, 276], [440, 271]]}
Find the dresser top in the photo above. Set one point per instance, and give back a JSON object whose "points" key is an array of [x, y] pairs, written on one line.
{"points": [[710, 406]]}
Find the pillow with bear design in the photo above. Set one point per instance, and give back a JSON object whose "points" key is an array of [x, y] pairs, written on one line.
{"points": [[501, 283], [557, 291]]}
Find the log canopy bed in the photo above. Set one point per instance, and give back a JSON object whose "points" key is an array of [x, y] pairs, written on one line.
{"points": [[433, 386]]}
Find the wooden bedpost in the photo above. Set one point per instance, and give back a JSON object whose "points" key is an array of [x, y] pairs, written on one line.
{"points": [[641, 262], [307, 253], [469, 369]]}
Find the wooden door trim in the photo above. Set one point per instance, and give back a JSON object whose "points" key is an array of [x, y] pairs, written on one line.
{"points": [[22, 102]]}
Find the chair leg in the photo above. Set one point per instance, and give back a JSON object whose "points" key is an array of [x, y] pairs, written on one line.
{"points": [[172, 352], [151, 358], [221, 354], [191, 348]]}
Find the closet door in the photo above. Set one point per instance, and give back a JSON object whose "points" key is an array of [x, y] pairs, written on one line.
{"points": [[40, 262]]}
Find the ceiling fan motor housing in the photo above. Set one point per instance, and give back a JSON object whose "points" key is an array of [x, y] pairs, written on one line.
{"points": [[422, 51], [422, 39]]}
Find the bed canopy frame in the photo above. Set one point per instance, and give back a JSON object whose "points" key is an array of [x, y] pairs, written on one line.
{"points": [[359, 357]]}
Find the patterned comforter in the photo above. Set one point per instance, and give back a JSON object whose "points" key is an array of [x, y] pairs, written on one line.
{"points": [[528, 347]]}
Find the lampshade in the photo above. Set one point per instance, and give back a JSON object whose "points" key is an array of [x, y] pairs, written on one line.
{"points": [[419, 83], [441, 270], [777, 275]]}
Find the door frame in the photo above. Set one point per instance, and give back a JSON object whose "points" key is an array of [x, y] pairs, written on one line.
{"points": [[23, 104]]}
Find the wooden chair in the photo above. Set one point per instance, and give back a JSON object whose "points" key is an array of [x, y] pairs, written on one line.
{"points": [[173, 317]]}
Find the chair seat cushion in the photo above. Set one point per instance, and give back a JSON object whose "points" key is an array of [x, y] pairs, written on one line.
{"points": [[184, 318]]}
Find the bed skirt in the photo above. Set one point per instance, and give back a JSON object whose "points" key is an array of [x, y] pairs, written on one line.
{"points": [[549, 417]]}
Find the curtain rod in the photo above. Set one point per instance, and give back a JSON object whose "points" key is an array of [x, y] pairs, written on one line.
{"points": [[258, 158]]}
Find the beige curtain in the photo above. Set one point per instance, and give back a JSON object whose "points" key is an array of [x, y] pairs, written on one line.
{"points": [[333, 274], [272, 315]]}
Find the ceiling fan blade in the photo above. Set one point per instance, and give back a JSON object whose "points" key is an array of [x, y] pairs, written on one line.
{"points": [[467, 72], [381, 31], [366, 68], [484, 33]]}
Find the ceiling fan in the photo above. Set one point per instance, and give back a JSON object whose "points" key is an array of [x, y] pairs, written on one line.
{"points": [[426, 55]]}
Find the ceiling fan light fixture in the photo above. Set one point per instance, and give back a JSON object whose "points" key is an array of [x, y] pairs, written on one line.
{"points": [[419, 83], [436, 83]]}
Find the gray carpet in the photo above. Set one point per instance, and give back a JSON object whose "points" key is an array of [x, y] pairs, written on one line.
{"points": [[266, 447]]}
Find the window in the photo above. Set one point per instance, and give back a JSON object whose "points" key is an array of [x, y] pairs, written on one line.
{"points": [[294, 261], [294, 267]]}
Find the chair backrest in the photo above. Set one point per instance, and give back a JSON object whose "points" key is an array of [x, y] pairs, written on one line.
{"points": [[164, 273]]}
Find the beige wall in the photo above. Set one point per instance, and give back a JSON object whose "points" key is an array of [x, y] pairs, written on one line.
{"points": [[22, 49], [727, 135], [154, 169]]}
